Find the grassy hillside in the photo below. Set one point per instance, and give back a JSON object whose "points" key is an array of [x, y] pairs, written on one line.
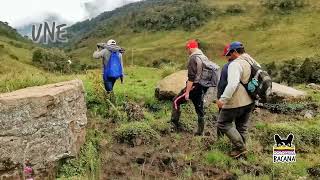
{"points": [[8, 31], [268, 35], [16, 69]]}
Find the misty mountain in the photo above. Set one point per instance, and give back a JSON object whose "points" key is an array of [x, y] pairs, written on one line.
{"points": [[26, 30], [8, 31], [147, 15]]}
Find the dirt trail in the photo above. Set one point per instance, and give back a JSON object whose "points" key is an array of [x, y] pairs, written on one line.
{"points": [[176, 156]]}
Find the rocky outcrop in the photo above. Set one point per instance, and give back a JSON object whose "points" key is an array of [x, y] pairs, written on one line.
{"points": [[43, 125]]}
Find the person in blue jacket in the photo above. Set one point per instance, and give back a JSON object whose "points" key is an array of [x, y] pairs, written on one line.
{"points": [[106, 51]]}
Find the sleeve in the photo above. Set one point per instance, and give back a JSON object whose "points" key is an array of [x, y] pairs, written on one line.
{"points": [[199, 68], [234, 74], [192, 69], [99, 54]]}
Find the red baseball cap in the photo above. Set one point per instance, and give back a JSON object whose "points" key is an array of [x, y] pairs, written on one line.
{"points": [[226, 50], [191, 44]]}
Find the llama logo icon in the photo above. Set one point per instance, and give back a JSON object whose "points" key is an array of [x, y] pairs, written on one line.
{"points": [[284, 150]]}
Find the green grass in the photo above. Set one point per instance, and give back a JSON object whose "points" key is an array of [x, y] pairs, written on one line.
{"points": [[219, 159], [306, 133], [88, 162]]}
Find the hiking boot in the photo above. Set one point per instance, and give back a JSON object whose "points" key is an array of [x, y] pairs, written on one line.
{"points": [[236, 153], [175, 116], [176, 127], [200, 127]]}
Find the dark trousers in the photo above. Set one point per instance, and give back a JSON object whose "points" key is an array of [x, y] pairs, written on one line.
{"points": [[196, 96], [237, 134], [108, 83]]}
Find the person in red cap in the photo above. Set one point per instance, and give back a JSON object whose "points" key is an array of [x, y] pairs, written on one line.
{"points": [[193, 90]]}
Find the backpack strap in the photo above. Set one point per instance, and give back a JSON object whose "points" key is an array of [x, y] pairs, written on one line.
{"points": [[251, 64], [198, 57]]}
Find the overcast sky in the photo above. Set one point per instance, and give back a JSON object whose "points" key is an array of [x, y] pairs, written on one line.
{"points": [[22, 12]]}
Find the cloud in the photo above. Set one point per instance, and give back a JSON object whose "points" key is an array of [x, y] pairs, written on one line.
{"points": [[26, 29], [71, 11], [96, 7]]}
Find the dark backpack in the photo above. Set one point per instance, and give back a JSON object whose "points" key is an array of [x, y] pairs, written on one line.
{"points": [[210, 73], [114, 68], [259, 85]]}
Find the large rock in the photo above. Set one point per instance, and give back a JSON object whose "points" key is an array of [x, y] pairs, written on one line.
{"points": [[285, 92], [43, 124], [171, 85]]}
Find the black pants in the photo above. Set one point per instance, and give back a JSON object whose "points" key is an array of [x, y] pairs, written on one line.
{"points": [[240, 116], [109, 83], [196, 96]]}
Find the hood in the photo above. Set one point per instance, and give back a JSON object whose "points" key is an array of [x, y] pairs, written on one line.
{"points": [[113, 48], [246, 56], [197, 52]]}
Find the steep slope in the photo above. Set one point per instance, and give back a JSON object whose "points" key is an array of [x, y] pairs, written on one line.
{"points": [[8, 31], [268, 35], [16, 69]]}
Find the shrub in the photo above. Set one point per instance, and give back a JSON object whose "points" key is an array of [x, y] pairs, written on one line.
{"points": [[55, 60], [290, 72], [283, 4], [13, 56], [160, 62], [293, 71], [235, 9], [134, 111], [170, 15], [51, 60], [160, 125], [310, 69], [136, 133], [272, 70]]}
